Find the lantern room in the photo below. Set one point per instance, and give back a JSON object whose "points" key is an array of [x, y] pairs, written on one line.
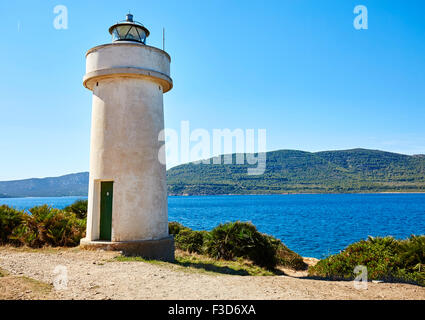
{"points": [[129, 30]]}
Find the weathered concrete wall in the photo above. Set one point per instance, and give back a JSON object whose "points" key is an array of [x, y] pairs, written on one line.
{"points": [[127, 117], [118, 55]]}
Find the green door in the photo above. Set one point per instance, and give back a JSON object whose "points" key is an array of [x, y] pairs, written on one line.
{"points": [[106, 192]]}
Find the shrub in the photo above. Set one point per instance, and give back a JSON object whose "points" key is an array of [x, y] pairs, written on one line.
{"points": [[191, 241], [412, 253], [377, 254], [9, 220], [175, 227], [231, 241], [238, 239], [79, 207], [385, 259], [287, 257], [411, 260], [48, 226], [54, 227]]}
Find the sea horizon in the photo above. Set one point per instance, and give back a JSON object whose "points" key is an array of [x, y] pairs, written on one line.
{"points": [[313, 225]]}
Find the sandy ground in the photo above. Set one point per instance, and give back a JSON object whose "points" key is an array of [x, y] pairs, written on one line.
{"points": [[94, 275]]}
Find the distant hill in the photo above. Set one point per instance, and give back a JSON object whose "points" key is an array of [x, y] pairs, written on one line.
{"points": [[291, 171], [69, 185], [287, 171]]}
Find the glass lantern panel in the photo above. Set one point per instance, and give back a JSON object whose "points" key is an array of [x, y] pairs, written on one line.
{"points": [[133, 34], [122, 31], [142, 34], [115, 35]]}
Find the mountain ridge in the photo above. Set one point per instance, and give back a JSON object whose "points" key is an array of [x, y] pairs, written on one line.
{"points": [[287, 171], [295, 171], [74, 184]]}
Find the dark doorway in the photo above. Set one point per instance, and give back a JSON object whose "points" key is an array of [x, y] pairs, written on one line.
{"points": [[106, 193]]}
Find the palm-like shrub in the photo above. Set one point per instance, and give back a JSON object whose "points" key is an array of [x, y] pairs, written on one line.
{"points": [[411, 260], [412, 254], [238, 239], [190, 240], [174, 228], [286, 257], [48, 226], [9, 220], [79, 207]]}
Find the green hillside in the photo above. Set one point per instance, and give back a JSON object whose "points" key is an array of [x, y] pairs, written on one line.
{"points": [[287, 171], [291, 171]]}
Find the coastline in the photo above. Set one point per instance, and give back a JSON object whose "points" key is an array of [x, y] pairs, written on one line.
{"points": [[240, 194], [294, 193]]}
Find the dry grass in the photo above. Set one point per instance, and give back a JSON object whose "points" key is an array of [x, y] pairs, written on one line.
{"points": [[192, 262], [187, 262], [2, 273], [94, 277], [46, 249], [23, 288]]}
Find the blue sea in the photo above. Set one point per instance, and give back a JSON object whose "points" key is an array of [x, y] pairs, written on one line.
{"points": [[314, 225]]}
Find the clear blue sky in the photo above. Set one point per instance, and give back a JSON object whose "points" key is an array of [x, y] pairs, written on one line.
{"points": [[296, 68]]}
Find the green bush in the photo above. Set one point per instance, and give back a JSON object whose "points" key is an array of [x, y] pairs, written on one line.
{"points": [[385, 258], [27, 233], [174, 228], [235, 240], [239, 239], [412, 253], [79, 207], [287, 257], [48, 226], [10, 219], [187, 239], [191, 241]]}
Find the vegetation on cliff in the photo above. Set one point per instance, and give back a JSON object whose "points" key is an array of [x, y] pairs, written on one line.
{"points": [[236, 240], [386, 258], [291, 171], [46, 226], [40, 226]]}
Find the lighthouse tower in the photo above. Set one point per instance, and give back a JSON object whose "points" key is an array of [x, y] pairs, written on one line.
{"points": [[127, 203]]}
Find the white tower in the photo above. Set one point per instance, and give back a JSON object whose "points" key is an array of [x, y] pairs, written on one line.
{"points": [[127, 203]]}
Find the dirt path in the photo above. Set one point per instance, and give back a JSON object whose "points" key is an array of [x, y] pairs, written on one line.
{"points": [[92, 275]]}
